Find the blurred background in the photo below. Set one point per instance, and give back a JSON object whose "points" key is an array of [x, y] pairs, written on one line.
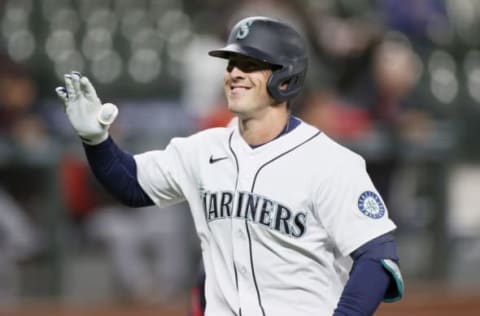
{"points": [[398, 81]]}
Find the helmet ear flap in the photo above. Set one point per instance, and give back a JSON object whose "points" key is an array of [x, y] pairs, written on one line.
{"points": [[284, 75]]}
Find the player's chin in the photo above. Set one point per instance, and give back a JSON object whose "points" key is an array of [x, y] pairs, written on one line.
{"points": [[235, 109], [236, 105]]}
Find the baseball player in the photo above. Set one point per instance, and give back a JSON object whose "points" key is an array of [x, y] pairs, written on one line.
{"points": [[289, 221]]}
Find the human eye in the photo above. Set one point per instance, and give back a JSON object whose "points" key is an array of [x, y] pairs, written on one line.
{"points": [[230, 66], [246, 65]]}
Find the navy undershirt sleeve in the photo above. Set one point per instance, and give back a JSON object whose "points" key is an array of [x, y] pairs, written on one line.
{"points": [[116, 170], [382, 247], [369, 280], [364, 290]]}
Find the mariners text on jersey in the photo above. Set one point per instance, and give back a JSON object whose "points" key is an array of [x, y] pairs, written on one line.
{"points": [[255, 208]]}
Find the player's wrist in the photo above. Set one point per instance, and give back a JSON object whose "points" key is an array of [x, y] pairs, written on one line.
{"points": [[93, 140]]}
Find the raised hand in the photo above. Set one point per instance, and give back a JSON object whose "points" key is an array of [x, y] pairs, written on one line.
{"points": [[89, 118]]}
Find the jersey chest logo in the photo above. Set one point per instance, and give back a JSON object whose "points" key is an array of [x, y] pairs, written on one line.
{"points": [[370, 204], [214, 160], [254, 208]]}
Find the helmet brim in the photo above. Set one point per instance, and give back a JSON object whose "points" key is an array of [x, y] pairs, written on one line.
{"points": [[234, 49]]}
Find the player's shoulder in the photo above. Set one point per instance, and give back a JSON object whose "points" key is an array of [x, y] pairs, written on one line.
{"points": [[337, 149], [333, 151], [214, 134], [210, 136]]}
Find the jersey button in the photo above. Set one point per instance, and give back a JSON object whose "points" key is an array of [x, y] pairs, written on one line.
{"points": [[243, 270], [240, 234]]}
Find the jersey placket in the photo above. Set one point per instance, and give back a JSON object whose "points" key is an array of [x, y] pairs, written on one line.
{"points": [[242, 248]]}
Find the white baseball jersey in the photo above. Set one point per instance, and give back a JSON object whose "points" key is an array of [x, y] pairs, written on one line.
{"points": [[276, 223]]}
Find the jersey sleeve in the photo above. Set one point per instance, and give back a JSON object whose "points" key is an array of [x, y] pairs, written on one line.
{"points": [[349, 206], [163, 173]]}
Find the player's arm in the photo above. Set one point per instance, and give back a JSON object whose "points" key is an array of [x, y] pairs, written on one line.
{"points": [[375, 277], [114, 168]]}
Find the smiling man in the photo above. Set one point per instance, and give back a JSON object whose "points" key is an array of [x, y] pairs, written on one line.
{"points": [[289, 221]]}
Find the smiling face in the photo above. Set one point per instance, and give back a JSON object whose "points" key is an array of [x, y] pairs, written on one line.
{"points": [[245, 84]]}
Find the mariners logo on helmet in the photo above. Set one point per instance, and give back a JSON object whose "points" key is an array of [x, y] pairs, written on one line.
{"points": [[370, 204], [243, 30]]}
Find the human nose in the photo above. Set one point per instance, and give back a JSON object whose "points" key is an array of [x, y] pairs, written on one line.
{"points": [[234, 71]]}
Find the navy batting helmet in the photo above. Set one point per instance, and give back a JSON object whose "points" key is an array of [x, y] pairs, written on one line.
{"points": [[272, 42]]}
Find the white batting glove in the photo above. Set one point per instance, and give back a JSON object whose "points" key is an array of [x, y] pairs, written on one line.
{"points": [[89, 118]]}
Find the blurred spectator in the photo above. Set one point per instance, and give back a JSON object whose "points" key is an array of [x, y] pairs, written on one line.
{"points": [[206, 106], [422, 21], [76, 183], [21, 123], [195, 76], [277, 9], [376, 105], [386, 88], [19, 236], [152, 253], [19, 241]]}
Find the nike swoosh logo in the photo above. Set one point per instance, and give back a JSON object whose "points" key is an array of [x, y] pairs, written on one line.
{"points": [[214, 160]]}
